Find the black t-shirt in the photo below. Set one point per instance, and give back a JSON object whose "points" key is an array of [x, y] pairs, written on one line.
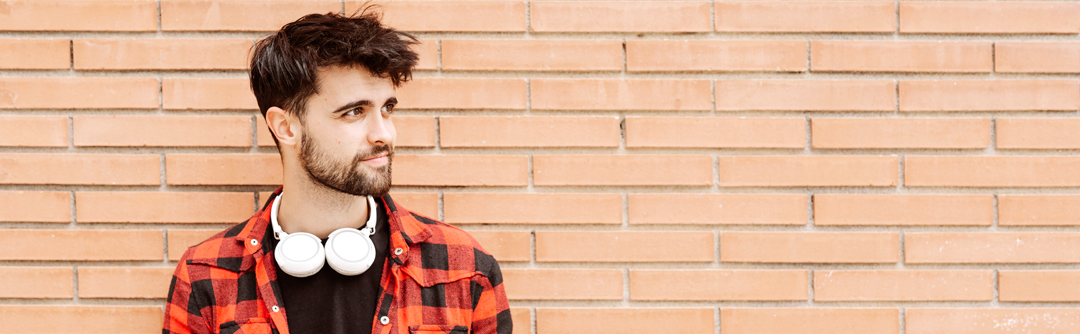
{"points": [[329, 302]]}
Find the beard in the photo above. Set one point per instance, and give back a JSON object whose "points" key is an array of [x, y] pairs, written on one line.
{"points": [[352, 177]]}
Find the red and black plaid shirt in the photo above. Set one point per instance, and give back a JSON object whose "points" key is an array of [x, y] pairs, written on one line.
{"points": [[441, 281]]}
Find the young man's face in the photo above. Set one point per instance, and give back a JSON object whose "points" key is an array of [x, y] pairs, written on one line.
{"points": [[347, 141]]}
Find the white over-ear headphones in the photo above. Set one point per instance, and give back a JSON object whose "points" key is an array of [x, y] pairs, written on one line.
{"points": [[348, 250]]}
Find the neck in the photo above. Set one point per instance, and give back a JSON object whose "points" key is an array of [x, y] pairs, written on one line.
{"points": [[310, 207]]}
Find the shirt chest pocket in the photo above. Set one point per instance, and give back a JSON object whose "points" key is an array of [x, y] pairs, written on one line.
{"points": [[249, 326], [438, 329]]}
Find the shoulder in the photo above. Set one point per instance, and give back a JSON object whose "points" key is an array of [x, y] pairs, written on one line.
{"points": [[446, 247], [225, 249]]}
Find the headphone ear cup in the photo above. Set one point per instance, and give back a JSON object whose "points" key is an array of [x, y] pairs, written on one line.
{"points": [[300, 254], [349, 251]]}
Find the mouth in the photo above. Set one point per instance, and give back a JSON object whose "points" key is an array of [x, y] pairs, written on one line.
{"points": [[378, 159]]}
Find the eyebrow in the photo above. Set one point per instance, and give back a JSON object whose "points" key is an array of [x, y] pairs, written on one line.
{"points": [[362, 103]]}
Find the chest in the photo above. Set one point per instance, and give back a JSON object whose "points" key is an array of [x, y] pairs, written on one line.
{"points": [[407, 306]]}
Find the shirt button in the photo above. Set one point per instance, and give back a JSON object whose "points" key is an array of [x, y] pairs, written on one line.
{"points": [[397, 251], [275, 308], [254, 242], [384, 319]]}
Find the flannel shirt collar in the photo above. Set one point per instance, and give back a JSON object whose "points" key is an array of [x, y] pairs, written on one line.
{"points": [[251, 240]]}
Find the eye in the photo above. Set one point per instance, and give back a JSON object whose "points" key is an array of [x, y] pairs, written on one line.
{"points": [[354, 112], [388, 109]]}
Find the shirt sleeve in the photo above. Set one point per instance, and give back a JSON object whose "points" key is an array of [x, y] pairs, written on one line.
{"points": [[183, 307], [491, 310]]}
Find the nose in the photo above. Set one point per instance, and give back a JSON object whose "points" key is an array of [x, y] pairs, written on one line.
{"points": [[380, 130]]}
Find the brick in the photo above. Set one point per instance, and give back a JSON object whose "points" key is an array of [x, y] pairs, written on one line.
{"points": [[806, 95], [238, 15], [1037, 57], [977, 17], [78, 93], [620, 246], [162, 207], [901, 56], [179, 240], [529, 131], [412, 131], [504, 208], [161, 54], [1038, 133], [37, 282], [1038, 210], [598, 16], [506, 246], [460, 170], [810, 247], [456, 16], [124, 282], [620, 94], [716, 56], [991, 171], [60, 15], [223, 169], [262, 198], [990, 95], [426, 204], [80, 319], [80, 245], [264, 138], [991, 321], [1002, 247], [462, 93], [808, 171], [35, 206], [903, 285], [875, 133], [124, 130], [35, 54], [207, 93], [624, 320], [622, 170], [718, 209], [521, 316], [1038, 285], [531, 55], [88, 169], [716, 132], [806, 16], [34, 131], [563, 284], [718, 285], [810, 321], [429, 54], [871, 209]]}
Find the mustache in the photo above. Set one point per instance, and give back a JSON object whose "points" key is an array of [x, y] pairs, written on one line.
{"points": [[374, 152]]}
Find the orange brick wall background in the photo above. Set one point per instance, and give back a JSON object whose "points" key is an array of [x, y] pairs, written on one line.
{"points": [[729, 167]]}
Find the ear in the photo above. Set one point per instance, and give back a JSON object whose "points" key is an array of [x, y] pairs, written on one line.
{"points": [[283, 125]]}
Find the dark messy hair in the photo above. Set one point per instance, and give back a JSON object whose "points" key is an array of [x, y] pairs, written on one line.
{"points": [[284, 65]]}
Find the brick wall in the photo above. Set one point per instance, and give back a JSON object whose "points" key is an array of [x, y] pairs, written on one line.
{"points": [[639, 166]]}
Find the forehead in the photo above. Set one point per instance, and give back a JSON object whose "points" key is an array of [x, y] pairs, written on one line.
{"points": [[339, 85]]}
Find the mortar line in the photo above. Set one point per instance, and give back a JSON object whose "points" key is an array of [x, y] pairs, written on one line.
{"points": [[74, 213], [626, 287], [75, 283], [716, 319]]}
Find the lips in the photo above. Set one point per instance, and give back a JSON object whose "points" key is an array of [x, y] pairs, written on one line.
{"points": [[379, 159]]}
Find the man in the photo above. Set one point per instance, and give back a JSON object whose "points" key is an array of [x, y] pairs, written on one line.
{"points": [[326, 86]]}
